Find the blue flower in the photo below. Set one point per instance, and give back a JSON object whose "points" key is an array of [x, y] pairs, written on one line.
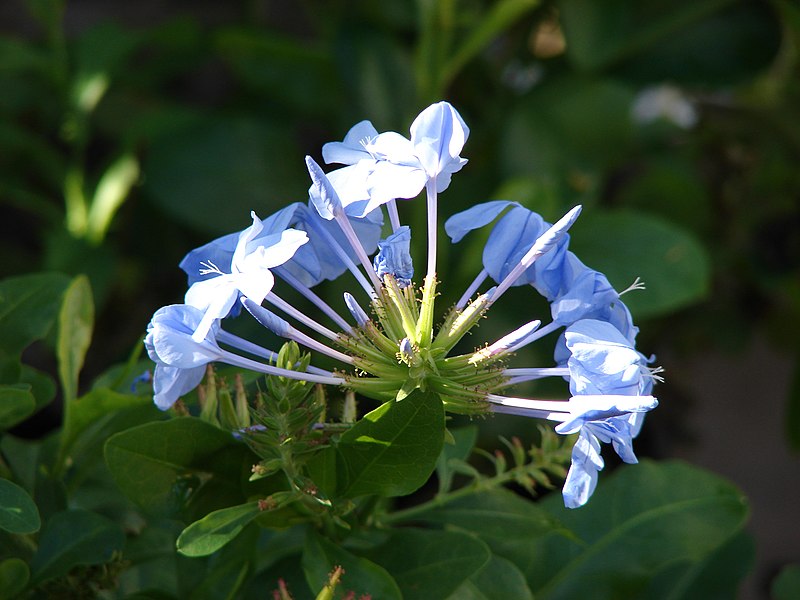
{"points": [[607, 419], [394, 257], [610, 383], [511, 238], [249, 274], [312, 262], [603, 361], [180, 360], [385, 166]]}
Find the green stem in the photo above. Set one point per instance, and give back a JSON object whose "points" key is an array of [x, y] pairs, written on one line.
{"points": [[478, 486]]}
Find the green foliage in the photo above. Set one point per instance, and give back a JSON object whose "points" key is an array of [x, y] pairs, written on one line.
{"points": [[673, 265], [72, 538], [208, 113], [216, 529], [75, 322], [18, 513], [167, 466], [787, 583], [430, 563], [392, 450], [14, 576], [320, 557]]}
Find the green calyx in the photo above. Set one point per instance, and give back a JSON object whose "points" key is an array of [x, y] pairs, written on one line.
{"points": [[397, 352]]}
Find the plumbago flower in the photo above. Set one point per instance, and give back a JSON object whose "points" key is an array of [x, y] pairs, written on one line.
{"points": [[392, 348]]}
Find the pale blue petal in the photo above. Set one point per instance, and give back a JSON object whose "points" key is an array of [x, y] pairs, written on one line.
{"points": [[480, 215], [582, 477], [438, 135], [267, 318], [323, 195], [586, 292], [170, 383], [351, 150], [394, 257], [170, 334]]}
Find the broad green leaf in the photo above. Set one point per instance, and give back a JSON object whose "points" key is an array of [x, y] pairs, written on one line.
{"points": [[227, 168], [643, 519], [500, 579], [18, 512], [465, 438], [28, 308], [14, 576], [566, 132], [625, 245], [362, 576], [93, 408], [75, 537], [162, 465], [430, 564], [216, 529], [506, 522], [16, 403], [786, 586], [392, 450], [75, 324], [718, 576]]}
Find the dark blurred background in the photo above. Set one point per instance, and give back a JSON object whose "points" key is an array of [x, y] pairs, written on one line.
{"points": [[133, 132]]}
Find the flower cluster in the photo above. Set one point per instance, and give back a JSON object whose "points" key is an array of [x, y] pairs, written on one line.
{"points": [[392, 349]]}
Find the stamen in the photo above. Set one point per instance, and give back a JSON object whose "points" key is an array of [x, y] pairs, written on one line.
{"points": [[473, 287], [210, 267], [637, 284], [394, 217], [282, 328], [310, 295], [505, 343], [275, 300]]}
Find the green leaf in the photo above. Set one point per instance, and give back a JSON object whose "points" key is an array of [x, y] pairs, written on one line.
{"points": [[269, 62], [506, 522], [16, 403], [247, 163], [464, 438], [162, 466], [28, 308], [786, 586], [498, 580], [75, 537], [362, 576], [112, 189], [642, 520], [718, 576], [668, 40], [216, 529], [75, 323], [93, 408], [14, 576], [18, 513], [392, 450], [624, 245], [430, 564]]}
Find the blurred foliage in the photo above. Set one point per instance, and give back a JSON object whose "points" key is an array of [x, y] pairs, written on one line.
{"points": [[129, 140]]}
